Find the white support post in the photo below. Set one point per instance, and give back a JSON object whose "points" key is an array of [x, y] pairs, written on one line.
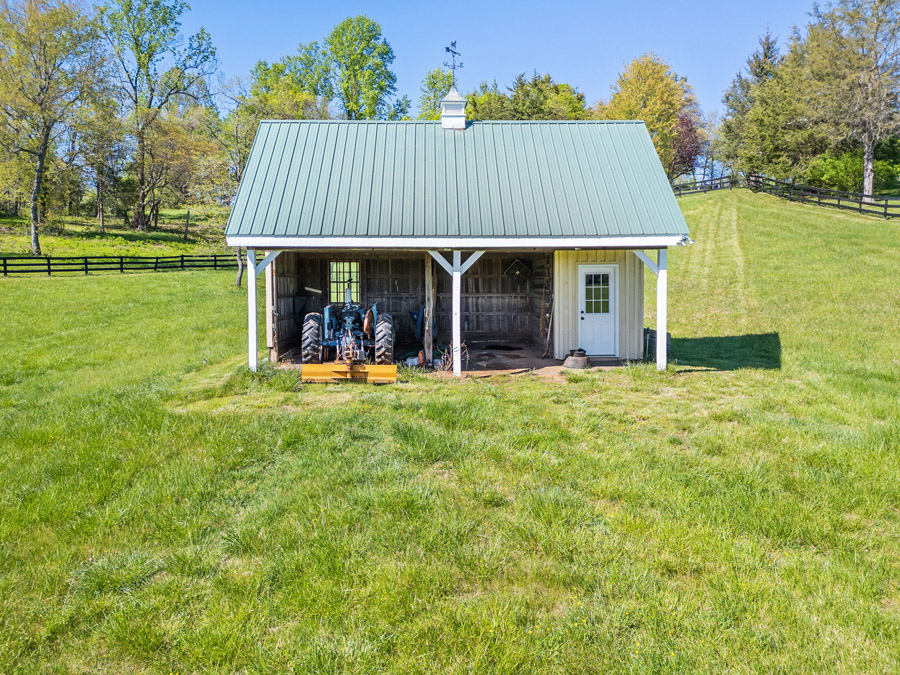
{"points": [[661, 309], [428, 319], [253, 271], [456, 270], [251, 310], [457, 310]]}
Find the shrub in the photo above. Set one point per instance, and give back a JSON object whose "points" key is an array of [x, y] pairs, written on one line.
{"points": [[845, 172]]}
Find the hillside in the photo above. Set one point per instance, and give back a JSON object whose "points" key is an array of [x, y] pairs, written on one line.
{"points": [[74, 236], [162, 510]]}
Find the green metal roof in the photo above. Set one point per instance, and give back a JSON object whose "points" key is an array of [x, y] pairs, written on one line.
{"points": [[416, 179]]}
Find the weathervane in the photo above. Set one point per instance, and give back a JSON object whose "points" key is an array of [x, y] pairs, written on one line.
{"points": [[453, 65]]}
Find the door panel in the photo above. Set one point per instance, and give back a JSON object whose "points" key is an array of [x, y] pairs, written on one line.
{"points": [[598, 309]]}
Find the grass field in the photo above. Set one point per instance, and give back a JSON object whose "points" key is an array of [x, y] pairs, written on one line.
{"points": [[82, 236], [161, 510]]}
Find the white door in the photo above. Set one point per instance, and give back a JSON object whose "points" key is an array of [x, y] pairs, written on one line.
{"points": [[598, 309]]}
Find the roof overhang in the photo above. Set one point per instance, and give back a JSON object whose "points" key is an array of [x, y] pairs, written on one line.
{"points": [[468, 243]]}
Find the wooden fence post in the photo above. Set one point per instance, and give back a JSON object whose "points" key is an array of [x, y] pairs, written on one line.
{"points": [[85, 266], [215, 262], [4, 267], [156, 264], [121, 265], [48, 265]]}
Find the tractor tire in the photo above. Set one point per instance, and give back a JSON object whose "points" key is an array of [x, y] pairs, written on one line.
{"points": [[384, 340], [311, 341]]}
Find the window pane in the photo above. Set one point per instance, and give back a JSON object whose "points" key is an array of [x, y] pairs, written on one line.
{"points": [[341, 274]]}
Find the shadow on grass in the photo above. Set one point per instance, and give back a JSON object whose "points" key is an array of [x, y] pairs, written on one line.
{"points": [[730, 352]]}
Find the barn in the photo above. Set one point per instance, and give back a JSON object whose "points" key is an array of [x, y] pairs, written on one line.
{"points": [[519, 233]]}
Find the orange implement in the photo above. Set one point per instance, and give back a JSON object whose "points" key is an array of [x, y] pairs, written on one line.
{"points": [[340, 372]]}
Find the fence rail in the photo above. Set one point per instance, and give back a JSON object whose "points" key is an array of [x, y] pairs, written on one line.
{"points": [[50, 265], [696, 186], [886, 207]]}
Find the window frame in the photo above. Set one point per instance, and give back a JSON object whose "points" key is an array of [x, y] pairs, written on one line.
{"points": [[337, 280]]}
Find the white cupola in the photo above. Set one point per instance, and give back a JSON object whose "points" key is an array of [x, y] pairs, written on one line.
{"points": [[453, 110]]}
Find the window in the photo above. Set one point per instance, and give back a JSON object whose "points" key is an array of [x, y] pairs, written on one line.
{"points": [[343, 273], [596, 293]]}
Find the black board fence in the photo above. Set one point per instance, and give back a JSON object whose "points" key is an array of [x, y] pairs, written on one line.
{"points": [[51, 265], [697, 186], [886, 207]]}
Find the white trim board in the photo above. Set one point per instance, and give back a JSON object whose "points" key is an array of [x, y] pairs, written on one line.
{"points": [[426, 243]]}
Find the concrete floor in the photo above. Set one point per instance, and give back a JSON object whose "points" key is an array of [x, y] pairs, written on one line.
{"points": [[486, 360], [495, 357]]}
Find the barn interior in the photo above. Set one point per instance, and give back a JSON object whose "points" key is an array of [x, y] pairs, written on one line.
{"points": [[505, 312]]}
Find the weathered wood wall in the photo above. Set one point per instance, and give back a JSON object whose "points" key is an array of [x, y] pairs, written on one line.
{"points": [[494, 307]]}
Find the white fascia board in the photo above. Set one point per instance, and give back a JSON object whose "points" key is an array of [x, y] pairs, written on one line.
{"points": [[264, 242]]}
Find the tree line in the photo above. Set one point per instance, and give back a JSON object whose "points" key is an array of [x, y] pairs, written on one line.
{"points": [[824, 109], [112, 111]]}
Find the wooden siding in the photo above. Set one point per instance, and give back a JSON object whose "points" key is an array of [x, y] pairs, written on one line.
{"points": [[631, 299], [494, 307]]}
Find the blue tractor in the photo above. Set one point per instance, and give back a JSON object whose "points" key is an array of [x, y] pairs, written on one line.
{"points": [[350, 333]]}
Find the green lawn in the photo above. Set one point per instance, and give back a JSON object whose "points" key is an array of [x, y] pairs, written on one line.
{"points": [[75, 236], [161, 510]]}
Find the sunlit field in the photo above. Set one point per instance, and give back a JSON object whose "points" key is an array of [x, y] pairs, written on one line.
{"points": [[162, 510]]}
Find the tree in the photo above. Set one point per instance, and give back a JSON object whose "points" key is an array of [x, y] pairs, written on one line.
{"points": [[357, 59], [295, 87], [739, 97], [49, 60], [710, 145], [15, 176], [540, 98], [854, 56], [687, 147], [488, 103], [234, 133], [536, 98], [434, 87], [155, 67], [648, 90], [783, 131], [103, 149], [351, 69]]}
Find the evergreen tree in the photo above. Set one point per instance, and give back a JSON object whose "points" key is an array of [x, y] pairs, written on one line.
{"points": [[738, 98], [782, 131]]}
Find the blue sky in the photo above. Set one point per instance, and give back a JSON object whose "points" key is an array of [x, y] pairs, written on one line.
{"points": [[582, 43]]}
